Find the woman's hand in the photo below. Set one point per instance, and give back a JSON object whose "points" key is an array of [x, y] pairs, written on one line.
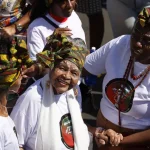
{"points": [[10, 30], [108, 137], [30, 72], [101, 139], [65, 31], [114, 138]]}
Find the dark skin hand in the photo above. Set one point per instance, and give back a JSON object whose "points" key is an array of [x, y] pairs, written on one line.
{"points": [[31, 72], [108, 136], [65, 31]]}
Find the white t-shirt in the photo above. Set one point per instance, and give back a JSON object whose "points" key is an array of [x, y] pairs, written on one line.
{"points": [[8, 135], [27, 111], [40, 29], [113, 58]]}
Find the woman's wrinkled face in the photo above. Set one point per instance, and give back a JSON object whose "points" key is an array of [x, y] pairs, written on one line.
{"points": [[64, 76], [65, 7], [140, 43]]}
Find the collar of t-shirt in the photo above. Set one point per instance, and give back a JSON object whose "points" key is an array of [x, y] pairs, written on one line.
{"points": [[57, 18]]}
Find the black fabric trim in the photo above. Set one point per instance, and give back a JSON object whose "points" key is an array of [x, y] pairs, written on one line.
{"points": [[50, 21]]}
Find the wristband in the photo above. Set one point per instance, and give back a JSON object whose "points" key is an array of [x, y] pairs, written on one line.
{"points": [[18, 27], [40, 68]]}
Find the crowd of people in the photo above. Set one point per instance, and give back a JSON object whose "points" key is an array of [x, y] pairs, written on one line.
{"points": [[43, 41]]}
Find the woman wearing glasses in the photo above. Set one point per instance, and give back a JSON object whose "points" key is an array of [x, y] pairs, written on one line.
{"points": [[124, 107]]}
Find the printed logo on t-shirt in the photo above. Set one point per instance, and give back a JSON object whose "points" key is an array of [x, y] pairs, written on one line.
{"points": [[66, 131], [120, 92]]}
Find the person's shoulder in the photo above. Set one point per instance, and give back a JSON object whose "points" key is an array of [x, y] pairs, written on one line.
{"points": [[123, 39], [2, 131], [75, 17], [74, 14], [34, 91], [3, 126], [29, 102], [37, 23], [3, 121], [31, 97]]}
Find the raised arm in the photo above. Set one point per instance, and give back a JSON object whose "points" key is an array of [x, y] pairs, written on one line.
{"points": [[23, 22]]}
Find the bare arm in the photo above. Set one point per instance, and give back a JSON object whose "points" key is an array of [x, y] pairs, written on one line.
{"points": [[24, 21], [140, 138], [91, 129]]}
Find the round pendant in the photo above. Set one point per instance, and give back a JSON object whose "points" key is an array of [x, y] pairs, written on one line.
{"points": [[120, 92]]}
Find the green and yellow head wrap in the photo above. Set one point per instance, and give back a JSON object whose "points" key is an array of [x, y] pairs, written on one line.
{"points": [[144, 17], [61, 47], [12, 59]]}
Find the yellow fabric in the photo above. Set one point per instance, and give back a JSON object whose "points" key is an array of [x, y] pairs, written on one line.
{"points": [[11, 63], [60, 47], [144, 16]]}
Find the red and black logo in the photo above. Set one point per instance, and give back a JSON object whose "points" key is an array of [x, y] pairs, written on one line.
{"points": [[66, 131], [120, 92]]}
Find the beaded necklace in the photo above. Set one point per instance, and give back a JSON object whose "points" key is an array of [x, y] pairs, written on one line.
{"points": [[130, 70], [134, 77]]}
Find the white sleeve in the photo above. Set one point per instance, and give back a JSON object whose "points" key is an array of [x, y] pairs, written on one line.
{"points": [[25, 116], [95, 62], [1, 141], [22, 122], [35, 43]]}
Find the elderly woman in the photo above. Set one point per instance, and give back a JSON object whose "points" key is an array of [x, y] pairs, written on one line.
{"points": [[47, 116], [124, 107], [11, 61]]}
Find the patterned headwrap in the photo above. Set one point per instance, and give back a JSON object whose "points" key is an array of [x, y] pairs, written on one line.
{"points": [[144, 17], [61, 47], [12, 61]]}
